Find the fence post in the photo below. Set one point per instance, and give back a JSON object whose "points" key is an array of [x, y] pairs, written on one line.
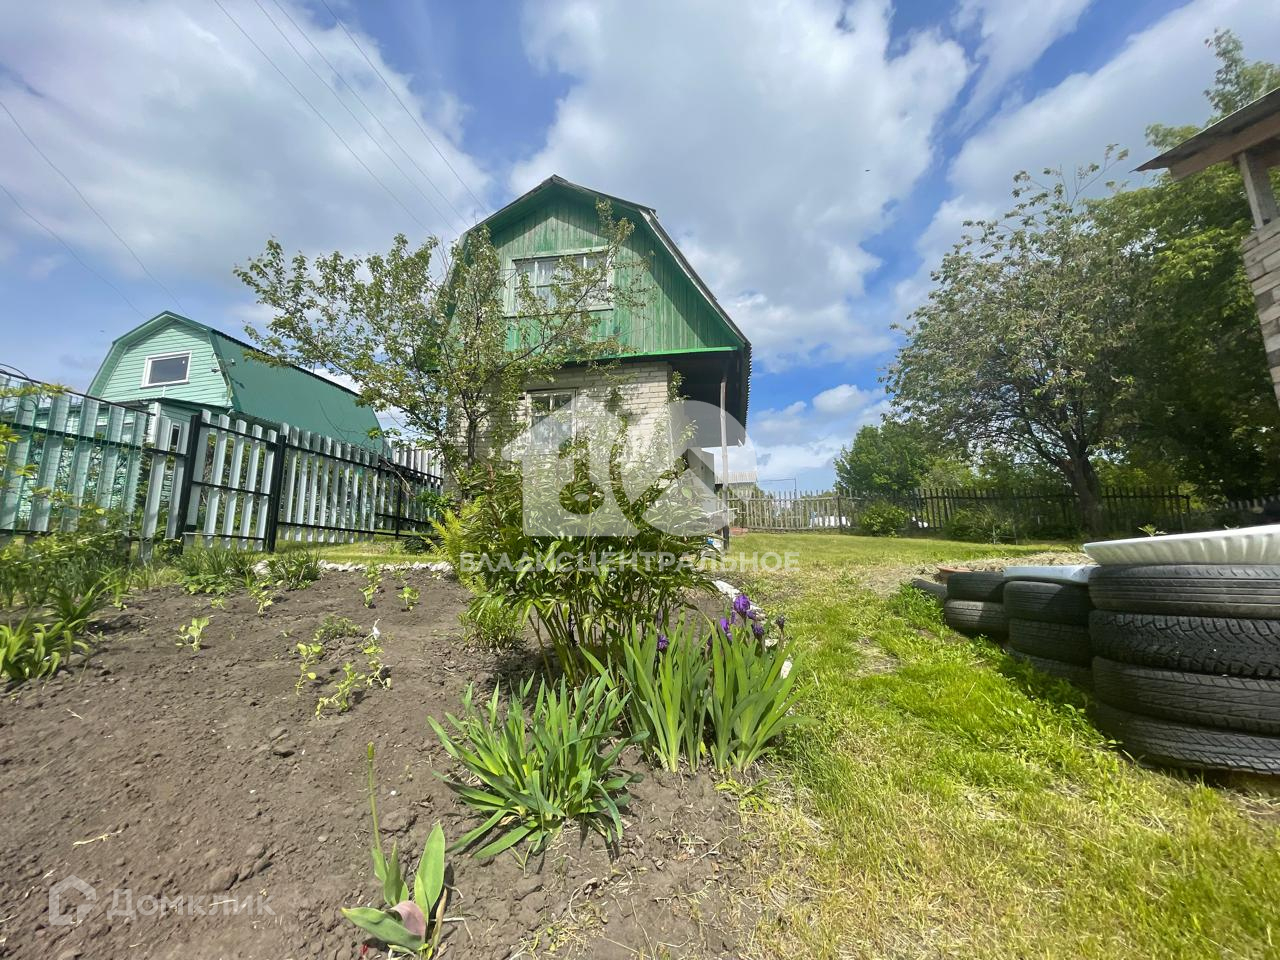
{"points": [[399, 500], [274, 484], [189, 476]]}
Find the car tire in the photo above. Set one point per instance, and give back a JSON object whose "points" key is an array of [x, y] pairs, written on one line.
{"points": [[1184, 745], [1199, 699], [1240, 647], [975, 586], [934, 589], [976, 617], [1080, 676], [1047, 602], [1189, 589], [1052, 641]]}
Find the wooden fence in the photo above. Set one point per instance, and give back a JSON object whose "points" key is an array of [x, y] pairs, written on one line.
{"points": [[1008, 514], [203, 479]]}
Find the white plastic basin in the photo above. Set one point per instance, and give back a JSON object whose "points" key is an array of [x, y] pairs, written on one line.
{"points": [[1052, 573]]}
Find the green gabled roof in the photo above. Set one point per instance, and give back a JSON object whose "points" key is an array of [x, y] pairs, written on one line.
{"points": [[719, 334], [267, 393]]}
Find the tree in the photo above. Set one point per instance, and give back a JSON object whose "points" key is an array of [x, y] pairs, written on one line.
{"points": [[893, 457], [448, 354], [1202, 397], [1021, 345]]}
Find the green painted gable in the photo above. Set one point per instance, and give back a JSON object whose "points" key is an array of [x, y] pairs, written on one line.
{"points": [[680, 321], [223, 377]]}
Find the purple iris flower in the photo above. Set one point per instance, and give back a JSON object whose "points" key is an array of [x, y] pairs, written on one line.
{"points": [[781, 622], [663, 642], [758, 629], [724, 626], [741, 604]]}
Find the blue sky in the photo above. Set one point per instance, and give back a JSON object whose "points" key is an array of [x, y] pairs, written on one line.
{"points": [[814, 158]]}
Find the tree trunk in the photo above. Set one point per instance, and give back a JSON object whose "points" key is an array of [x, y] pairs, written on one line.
{"points": [[1088, 490]]}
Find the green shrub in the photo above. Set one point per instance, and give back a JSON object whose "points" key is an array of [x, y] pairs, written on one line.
{"points": [[31, 649], [664, 678], [538, 769], [415, 543], [977, 525], [295, 570], [335, 628], [882, 519]]}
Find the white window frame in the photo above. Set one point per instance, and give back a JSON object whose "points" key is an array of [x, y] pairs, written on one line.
{"points": [[598, 252], [146, 369], [551, 392]]}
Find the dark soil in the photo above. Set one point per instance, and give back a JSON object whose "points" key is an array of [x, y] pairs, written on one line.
{"points": [[172, 774]]}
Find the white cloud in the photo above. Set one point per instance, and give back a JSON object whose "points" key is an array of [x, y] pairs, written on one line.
{"points": [[1014, 33], [801, 439], [1158, 77], [196, 150], [770, 136]]}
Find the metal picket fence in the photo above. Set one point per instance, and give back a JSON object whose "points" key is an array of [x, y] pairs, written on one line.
{"points": [[203, 479]]}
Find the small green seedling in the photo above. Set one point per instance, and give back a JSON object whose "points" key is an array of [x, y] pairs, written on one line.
{"points": [[343, 690], [262, 595], [189, 635], [372, 583], [403, 924], [217, 603], [409, 597], [310, 654]]}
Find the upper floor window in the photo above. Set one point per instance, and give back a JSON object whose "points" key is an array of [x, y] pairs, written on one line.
{"points": [[543, 272], [165, 369]]}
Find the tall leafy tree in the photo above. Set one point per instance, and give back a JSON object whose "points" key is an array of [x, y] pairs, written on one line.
{"points": [[450, 352], [1022, 343], [1202, 397], [891, 457]]}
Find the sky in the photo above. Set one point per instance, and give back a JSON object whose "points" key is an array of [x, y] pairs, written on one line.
{"points": [[814, 159]]}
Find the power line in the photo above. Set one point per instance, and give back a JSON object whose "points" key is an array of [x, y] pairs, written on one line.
{"points": [[417, 123], [440, 213], [323, 119], [92, 208], [36, 220], [356, 93]]}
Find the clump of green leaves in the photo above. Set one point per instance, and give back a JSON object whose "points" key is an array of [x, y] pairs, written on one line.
{"points": [[542, 765], [372, 583], [409, 597], [412, 925], [30, 649], [294, 570], [665, 677], [333, 627], [189, 635], [310, 653], [493, 622], [263, 595], [216, 570], [751, 695]]}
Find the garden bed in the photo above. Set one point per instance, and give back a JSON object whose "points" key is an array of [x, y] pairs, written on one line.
{"points": [[171, 773]]}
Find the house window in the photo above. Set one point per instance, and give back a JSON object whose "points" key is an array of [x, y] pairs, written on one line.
{"points": [[542, 272], [547, 430], [165, 369]]}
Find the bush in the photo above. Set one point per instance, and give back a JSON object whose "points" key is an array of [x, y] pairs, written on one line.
{"points": [[882, 519], [492, 623], [539, 770], [30, 649], [977, 525], [216, 570]]}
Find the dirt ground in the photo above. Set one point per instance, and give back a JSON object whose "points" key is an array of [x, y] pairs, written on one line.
{"points": [[152, 773]]}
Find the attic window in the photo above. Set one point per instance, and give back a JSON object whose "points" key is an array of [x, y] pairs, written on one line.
{"points": [[165, 369], [542, 273]]}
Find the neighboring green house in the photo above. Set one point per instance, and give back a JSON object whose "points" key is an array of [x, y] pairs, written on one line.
{"points": [[189, 366], [680, 329]]}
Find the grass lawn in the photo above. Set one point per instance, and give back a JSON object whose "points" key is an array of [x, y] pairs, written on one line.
{"points": [[946, 802]]}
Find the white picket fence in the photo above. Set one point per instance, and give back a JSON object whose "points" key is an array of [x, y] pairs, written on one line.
{"points": [[206, 479]]}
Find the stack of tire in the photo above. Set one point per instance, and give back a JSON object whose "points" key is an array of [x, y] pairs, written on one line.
{"points": [[1049, 627], [1187, 662], [974, 605]]}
